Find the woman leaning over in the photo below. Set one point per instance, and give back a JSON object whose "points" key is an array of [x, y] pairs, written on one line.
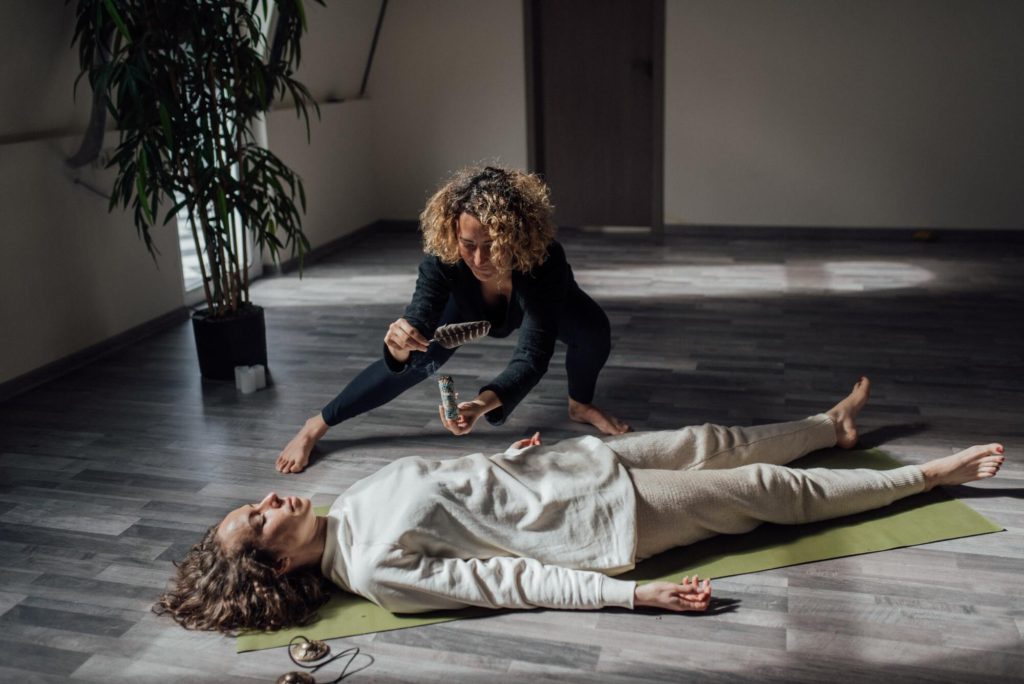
{"points": [[490, 255]]}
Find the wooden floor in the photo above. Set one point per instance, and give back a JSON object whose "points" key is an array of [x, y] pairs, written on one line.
{"points": [[109, 473]]}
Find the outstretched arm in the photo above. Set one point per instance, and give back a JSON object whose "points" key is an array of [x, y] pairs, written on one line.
{"points": [[410, 583], [414, 583]]}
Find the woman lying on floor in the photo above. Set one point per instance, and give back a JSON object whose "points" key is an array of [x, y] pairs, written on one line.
{"points": [[537, 526]]}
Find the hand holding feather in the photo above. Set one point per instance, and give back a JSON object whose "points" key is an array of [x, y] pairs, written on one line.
{"points": [[403, 338]]}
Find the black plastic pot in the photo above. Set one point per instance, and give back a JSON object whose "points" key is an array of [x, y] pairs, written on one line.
{"points": [[223, 343]]}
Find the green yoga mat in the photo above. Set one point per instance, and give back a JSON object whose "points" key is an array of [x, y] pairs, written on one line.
{"points": [[933, 516]]}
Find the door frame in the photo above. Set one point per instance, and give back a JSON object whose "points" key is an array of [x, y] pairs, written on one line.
{"points": [[534, 104]]}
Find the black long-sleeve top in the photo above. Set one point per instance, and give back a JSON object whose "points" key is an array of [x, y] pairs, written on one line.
{"points": [[535, 307]]}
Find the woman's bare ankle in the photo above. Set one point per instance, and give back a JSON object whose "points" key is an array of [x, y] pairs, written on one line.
{"points": [[295, 456], [590, 414], [844, 413], [315, 428]]}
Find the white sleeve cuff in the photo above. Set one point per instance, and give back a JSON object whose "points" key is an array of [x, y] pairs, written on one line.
{"points": [[617, 592]]}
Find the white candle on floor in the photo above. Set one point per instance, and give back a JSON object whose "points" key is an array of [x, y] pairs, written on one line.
{"points": [[261, 376], [248, 377], [238, 376]]}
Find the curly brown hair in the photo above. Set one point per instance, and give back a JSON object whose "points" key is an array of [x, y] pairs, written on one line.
{"points": [[217, 590], [514, 206]]}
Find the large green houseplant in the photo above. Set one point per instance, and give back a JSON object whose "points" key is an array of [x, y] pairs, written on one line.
{"points": [[187, 82]]}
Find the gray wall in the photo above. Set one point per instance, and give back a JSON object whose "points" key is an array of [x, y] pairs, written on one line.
{"points": [[845, 113]]}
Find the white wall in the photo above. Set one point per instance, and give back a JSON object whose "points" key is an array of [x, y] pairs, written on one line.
{"points": [[448, 89], [845, 113], [336, 168], [74, 274], [39, 71], [336, 165], [335, 49]]}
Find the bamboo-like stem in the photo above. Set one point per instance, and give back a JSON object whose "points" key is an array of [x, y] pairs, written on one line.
{"points": [[224, 272], [239, 131], [222, 136], [235, 280], [213, 300], [231, 227], [202, 264], [190, 177]]}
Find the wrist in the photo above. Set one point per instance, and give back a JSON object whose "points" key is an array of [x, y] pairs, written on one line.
{"points": [[401, 355], [641, 596], [488, 400]]}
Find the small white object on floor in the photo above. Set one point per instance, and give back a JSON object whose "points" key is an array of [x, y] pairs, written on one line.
{"points": [[261, 375], [248, 379]]}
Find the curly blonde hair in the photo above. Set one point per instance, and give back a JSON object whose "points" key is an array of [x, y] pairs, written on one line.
{"points": [[514, 206], [217, 590]]}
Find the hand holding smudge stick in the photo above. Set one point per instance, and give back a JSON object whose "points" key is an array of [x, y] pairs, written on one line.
{"points": [[451, 336], [448, 397]]}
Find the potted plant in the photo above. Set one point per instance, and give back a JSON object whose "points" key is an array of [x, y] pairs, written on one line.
{"points": [[187, 82]]}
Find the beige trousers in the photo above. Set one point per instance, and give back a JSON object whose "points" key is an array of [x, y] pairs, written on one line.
{"points": [[705, 480]]}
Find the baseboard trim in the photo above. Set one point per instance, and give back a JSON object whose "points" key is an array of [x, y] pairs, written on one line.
{"points": [[51, 371], [1013, 235]]}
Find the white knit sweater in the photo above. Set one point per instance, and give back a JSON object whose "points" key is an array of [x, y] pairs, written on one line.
{"points": [[534, 527]]}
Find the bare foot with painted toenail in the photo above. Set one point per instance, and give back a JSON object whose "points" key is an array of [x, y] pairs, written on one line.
{"points": [[973, 463], [295, 456]]}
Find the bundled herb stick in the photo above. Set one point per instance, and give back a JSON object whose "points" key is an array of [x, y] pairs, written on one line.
{"points": [[448, 397]]}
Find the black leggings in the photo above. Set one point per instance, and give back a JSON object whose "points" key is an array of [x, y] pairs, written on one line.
{"points": [[583, 327]]}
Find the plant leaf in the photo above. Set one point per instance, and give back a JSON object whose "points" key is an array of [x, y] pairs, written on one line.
{"points": [[121, 26], [165, 123]]}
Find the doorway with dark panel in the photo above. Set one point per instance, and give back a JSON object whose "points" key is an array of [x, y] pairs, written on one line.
{"points": [[595, 97]]}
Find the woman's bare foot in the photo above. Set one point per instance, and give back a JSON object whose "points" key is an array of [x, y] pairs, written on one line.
{"points": [[295, 456], [605, 422], [973, 463], [844, 414]]}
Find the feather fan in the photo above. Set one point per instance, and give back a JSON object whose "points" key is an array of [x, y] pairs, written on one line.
{"points": [[457, 334]]}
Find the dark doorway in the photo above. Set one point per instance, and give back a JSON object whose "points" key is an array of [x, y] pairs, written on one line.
{"points": [[596, 89]]}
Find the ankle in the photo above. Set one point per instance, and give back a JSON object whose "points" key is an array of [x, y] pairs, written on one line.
{"points": [[576, 409], [314, 429]]}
